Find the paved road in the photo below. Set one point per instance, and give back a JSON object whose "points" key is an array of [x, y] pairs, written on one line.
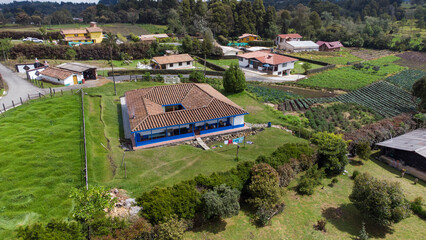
{"points": [[17, 87]]}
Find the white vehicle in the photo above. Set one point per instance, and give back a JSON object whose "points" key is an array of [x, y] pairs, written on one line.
{"points": [[36, 40]]}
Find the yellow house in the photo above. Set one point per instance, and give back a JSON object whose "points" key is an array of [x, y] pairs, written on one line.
{"points": [[247, 37], [92, 34]]}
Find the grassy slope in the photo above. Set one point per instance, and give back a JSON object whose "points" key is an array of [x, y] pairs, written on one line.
{"points": [[40, 161], [347, 78], [160, 166], [339, 58], [299, 70], [302, 212]]}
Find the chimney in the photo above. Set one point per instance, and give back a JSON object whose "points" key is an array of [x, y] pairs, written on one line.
{"points": [[93, 24]]}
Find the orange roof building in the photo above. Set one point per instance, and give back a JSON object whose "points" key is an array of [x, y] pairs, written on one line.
{"points": [[178, 61], [266, 61], [158, 115]]}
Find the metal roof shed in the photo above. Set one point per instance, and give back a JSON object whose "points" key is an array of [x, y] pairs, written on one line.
{"points": [[88, 71]]}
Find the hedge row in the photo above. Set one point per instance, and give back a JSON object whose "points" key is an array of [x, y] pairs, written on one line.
{"points": [[317, 70], [162, 72], [84, 52], [20, 35], [266, 43]]}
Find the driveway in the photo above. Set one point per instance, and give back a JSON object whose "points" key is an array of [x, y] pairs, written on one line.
{"points": [[262, 77]]}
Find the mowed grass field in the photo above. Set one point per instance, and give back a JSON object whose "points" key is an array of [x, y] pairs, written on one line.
{"points": [[331, 203], [40, 159], [339, 58], [164, 166]]}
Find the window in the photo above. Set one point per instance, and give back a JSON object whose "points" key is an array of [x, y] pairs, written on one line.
{"points": [[171, 64], [75, 35], [180, 64], [188, 63], [284, 64]]}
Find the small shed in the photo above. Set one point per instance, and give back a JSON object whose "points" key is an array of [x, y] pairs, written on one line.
{"points": [[61, 76], [179, 61], [329, 46], [87, 71], [23, 67]]}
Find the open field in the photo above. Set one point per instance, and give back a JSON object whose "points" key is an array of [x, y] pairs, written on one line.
{"points": [[348, 78], [298, 67], [40, 158], [415, 60], [370, 54], [123, 28], [223, 62], [305, 92], [331, 203], [168, 165], [339, 58]]}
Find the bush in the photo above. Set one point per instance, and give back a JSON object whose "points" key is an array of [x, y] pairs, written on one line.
{"points": [[102, 225], [320, 226], [310, 180], [264, 187], [172, 229], [363, 150], [332, 152], [222, 40], [417, 207], [221, 202], [234, 80], [363, 235], [196, 76], [286, 174], [381, 201], [355, 174], [287, 151], [334, 180], [54, 229]]}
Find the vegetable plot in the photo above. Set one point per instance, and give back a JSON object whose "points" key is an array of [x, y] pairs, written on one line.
{"points": [[406, 79], [271, 95]]}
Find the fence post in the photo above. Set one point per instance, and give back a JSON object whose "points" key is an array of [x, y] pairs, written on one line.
{"points": [[122, 160], [13, 103], [54, 92], [21, 100], [4, 107], [62, 93], [39, 95], [71, 92], [50, 89], [29, 98]]}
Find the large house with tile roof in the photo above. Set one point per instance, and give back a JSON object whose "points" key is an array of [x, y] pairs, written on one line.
{"points": [[266, 61], [79, 36], [177, 61], [161, 114]]}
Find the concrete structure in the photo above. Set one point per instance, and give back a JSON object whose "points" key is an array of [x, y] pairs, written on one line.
{"points": [[79, 36], [180, 61], [61, 76], [88, 71], [247, 37], [265, 61], [329, 46], [299, 46], [170, 113], [153, 37], [280, 39]]}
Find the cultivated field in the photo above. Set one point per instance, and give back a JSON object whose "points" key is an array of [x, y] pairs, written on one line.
{"points": [[406, 78], [370, 54], [414, 60], [40, 159], [339, 58]]}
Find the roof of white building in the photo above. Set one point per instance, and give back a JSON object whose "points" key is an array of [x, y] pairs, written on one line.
{"points": [[303, 44], [412, 141]]}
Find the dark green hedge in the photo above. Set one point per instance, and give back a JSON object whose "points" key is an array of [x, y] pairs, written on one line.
{"points": [[266, 43]]}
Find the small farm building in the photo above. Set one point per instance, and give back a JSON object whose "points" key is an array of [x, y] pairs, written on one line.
{"points": [[23, 67], [329, 46], [88, 71], [299, 46], [268, 62], [179, 61], [247, 37], [61, 76], [280, 39], [408, 149], [163, 114]]}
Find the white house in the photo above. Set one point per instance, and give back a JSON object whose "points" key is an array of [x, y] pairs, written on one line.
{"points": [[268, 62], [280, 39], [179, 61], [61, 76], [299, 46], [34, 74]]}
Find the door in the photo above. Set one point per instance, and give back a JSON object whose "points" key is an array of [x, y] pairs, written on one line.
{"points": [[75, 79]]}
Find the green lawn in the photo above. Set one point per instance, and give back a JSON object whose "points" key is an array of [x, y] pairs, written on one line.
{"points": [[299, 70], [339, 58], [348, 78], [154, 29], [40, 159], [159, 166], [331, 203], [223, 62]]}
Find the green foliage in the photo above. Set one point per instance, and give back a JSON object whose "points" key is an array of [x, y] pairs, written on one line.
{"points": [[332, 152], [234, 80], [334, 180], [284, 153], [222, 202], [306, 66], [406, 78], [71, 53], [363, 235], [54, 229], [270, 94], [381, 201], [172, 229], [312, 178], [92, 202], [363, 150], [161, 203], [417, 207], [101, 225], [355, 174], [348, 78], [196, 76], [286, 174], [340, 117], [134, 37], [264, 187], [147, 76], [419, 90]]}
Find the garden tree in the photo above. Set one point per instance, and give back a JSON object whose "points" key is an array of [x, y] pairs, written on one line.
{"points": [[315, 20], [363, 150], [271, 28], [110, 42], [285, 20], [132, 16], [172, 229], [187, 44], [89, 14], [234, 80], [264, 188], [92, 202], [220, 18], [207, 45], [221, 202], [54, 229], [312, 178], [245, 18], [419, 90], [174, 24], [185, 12], [22, 17], [381, 201], [5, 46], [259, 13], [286, 174], [42, 31], [332, 152], [300, 21], [196, 76], [306, 66]]}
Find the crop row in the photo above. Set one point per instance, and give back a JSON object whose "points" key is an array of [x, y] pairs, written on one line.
{"points": [[270, 94], [382, 97], [406, 78]]}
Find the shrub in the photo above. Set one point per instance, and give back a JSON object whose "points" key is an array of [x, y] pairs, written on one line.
{"points": [[196, 76], [221, 202], [287, 151], [222, 40], [381, 201], [363, 150], [312, 178], [54, 229], [172, 229], [417, 207], [264, 187], [320, 226], [332, 150], [334, 180], [286, 174], [101, 225], [234, 80], [363, 235], [355, 174]]}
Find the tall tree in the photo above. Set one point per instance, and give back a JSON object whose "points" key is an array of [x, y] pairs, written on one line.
{"points": [[259, 13], [271, 28], [285, 20], [419, 90]]}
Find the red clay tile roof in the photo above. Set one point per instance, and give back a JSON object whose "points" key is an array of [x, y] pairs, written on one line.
{"points": [[173, 59], [267, 57], [56, 73], [330, 45], [290, 35], [201, 102], [247, 35]]}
